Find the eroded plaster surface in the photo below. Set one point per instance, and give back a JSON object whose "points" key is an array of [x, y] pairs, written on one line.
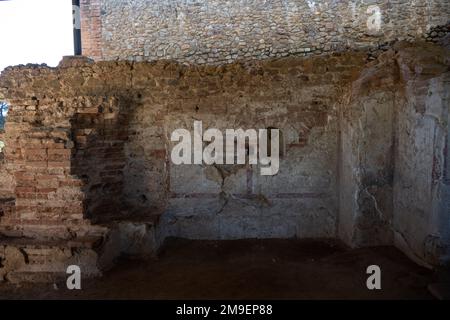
{"points": [[86, 163]]}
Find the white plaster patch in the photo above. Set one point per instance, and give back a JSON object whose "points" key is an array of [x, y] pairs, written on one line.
{"points": [[374, 20]]}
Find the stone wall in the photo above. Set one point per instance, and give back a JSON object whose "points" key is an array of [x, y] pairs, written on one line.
{"points": [[87, 158], [394, 134], [88, 146], [216, 31], [96, 144], [226, 202]]}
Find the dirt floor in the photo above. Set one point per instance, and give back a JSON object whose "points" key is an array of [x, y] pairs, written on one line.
{"points": [[248, 269]]}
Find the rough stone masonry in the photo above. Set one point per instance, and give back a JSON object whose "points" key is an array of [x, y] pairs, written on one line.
{"points": [[86, 176], [217, 31]]}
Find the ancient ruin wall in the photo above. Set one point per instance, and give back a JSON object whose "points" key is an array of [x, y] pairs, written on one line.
{"points": [[216, 31], [368, 119], [421, 188], [93, 142], [363, 160], [296, 96], [393, 185]]}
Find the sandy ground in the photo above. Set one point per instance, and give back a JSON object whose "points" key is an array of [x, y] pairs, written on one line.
{"points": [[247, 269]]}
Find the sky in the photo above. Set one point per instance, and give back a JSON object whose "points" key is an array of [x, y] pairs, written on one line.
{"points": [[35, 31]]}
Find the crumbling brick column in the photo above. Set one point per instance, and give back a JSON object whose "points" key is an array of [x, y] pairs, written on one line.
{"points": [[38, 155], [48, 146]]}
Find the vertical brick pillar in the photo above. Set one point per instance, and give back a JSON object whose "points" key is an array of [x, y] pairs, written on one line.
{"points": [[91, 28]]}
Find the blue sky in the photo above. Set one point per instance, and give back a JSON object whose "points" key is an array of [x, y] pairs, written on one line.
{"points": [[35, 31]]}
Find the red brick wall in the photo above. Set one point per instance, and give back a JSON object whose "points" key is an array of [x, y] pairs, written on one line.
{"points": [[91, 28]]}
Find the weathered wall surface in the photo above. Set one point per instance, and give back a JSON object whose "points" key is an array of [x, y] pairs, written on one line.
{"points": [[92, 141], [89, 143], [365, 155], [215, 31], [422, 219], [393, 143], [296, 96]]}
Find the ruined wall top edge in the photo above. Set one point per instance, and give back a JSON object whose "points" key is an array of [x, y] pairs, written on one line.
{"points": [[217, 31]]}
